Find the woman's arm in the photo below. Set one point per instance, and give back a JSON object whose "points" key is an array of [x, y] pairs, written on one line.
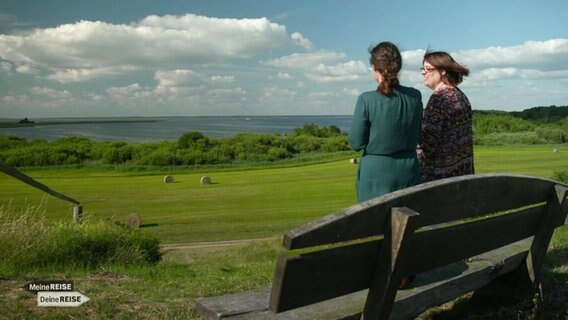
{"points": [[432, 125], [359, 133]]}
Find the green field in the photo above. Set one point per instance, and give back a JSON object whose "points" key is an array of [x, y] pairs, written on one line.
{"points": [[239, 204]]}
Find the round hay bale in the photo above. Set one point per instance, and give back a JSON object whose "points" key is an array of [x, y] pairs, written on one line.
{"points": [[134, 220], [169, 179], [555, 150], [205, 180], [354, 161]]}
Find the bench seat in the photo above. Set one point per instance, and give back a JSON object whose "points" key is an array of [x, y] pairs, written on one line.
{"points": [[430, 288]]}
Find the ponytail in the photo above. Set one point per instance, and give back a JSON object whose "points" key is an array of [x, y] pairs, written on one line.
{"points": [[386, 59]]}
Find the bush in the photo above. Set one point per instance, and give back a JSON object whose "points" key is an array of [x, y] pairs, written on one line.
{"points": [[494, 123], [501, 139], [193, 140], [552, 135], [30, 243]]}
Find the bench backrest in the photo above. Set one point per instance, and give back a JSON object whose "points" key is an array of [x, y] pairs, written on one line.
{"points": [[456, 218]]}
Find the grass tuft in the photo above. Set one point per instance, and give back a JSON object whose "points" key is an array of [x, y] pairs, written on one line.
{"points": [[31, 243]]}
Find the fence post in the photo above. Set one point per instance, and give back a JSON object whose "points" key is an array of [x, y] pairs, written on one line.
{"points": [[77, 214]]}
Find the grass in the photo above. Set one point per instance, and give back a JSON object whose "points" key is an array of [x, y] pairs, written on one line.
{"points": [[240, 204], [31, 242], [237, 205]]}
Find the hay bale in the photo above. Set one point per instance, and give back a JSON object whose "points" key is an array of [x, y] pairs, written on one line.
{"points": [[169, 179], [134, 221], [205, 180], [354, 161]]}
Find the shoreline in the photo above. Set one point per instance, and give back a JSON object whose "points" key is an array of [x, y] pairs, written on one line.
{"points": [[40, 123]]}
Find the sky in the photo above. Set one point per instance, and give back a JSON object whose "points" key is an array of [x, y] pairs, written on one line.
{"points": [[76, 58]]}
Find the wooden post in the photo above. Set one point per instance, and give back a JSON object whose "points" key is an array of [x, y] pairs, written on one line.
{"points": [[542, 237], [77, 214], [77, 211], [386, 278]]}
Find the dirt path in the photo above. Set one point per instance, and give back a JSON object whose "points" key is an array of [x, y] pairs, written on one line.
{"points": [[212, 244]]}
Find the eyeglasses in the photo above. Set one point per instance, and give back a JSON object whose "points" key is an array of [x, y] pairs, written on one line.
{"points": [[427, 70]]}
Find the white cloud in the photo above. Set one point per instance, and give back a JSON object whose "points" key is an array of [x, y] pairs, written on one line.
{"points": [[221, 79], [540, 55], [80, 74], [27, 69], [412, 60], [132, 90], [270, 93], [235, 94], [353, 92], [343, 72], [318, 95], [304, 60], [5, 67], [84, 48], [284, 76], [301, 41], [179, 78], [54, 94]]}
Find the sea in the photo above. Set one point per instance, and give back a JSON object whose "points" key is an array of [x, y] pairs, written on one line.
{"points": [[146, 129]]}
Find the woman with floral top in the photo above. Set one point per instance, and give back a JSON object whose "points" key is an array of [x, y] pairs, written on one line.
{"points": [[446, 142]]}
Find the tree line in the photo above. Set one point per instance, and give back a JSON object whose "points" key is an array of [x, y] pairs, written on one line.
{"points": [[192, 148], [541, 126]]}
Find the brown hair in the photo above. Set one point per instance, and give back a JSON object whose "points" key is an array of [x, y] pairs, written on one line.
{"points": [[385, 58], [444, 62]]}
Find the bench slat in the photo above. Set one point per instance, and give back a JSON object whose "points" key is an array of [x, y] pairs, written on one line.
{"points": [[435, 248], [329, 273], [321, 275], [455, 199], [430, 288]]}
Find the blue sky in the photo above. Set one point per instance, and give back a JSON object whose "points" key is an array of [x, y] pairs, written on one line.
{"points": [[75, 58]]}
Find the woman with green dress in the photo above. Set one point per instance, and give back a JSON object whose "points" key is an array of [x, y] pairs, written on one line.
{"points": [[386, 127]]}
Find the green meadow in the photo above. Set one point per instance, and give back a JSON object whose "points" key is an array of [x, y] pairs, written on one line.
{"points": [[241, 203], [238, 204]]}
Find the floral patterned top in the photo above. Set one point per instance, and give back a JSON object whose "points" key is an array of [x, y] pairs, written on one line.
{"points": [[445, 148]]}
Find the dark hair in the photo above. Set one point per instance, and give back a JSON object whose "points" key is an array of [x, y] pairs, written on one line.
{"points": [[444, 62], [385, 58]]}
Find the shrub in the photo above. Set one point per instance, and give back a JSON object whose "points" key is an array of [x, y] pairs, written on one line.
{"points": [[278, 153], [193, 140], [493, 123], [552, 135], [30, 243], [117, 152], [501, 139]]}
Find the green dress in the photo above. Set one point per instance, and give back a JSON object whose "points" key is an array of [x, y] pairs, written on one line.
{"points": [[387, 129]]}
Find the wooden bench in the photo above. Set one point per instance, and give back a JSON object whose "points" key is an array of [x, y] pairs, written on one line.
{"points": [[457, 235]]}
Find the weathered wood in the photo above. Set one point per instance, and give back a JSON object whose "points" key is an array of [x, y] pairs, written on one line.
{"points": [[386, 277], [371, 245], [544, 232], [456, 198], [34, 183], [320, 275], [438, 247], [77, 214], [232, 305], [430, 288], [331, 272]]}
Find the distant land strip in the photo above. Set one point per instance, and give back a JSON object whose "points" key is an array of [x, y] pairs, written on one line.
{"points": [[48, 123]]}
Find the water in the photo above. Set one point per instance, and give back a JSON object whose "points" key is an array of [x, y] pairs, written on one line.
{"points": [[167, 128]]}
